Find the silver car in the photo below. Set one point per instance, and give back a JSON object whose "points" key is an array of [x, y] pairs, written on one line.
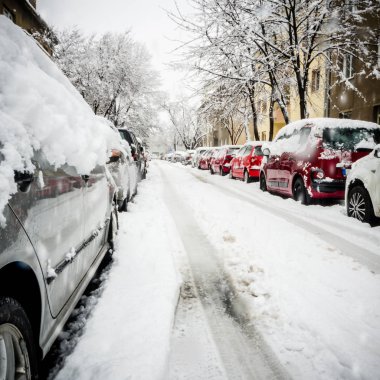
{"points": [[59, 226]]}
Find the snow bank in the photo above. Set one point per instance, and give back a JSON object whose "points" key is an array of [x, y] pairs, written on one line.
{"points": [[41, 110], [128, 334]]}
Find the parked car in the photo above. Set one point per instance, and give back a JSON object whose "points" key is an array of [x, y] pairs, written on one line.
{"points": [[122, 168], [205, 159], [197, 155], [362, 193], [309, 159], [203, 162], [188, 157], [137, 152], [221, 163], [247, 162], [57, 201]]}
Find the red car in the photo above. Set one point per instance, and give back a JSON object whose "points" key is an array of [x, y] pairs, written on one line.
{"points": [[247, 162], [220, 163], [309, 159], [204, 160]]}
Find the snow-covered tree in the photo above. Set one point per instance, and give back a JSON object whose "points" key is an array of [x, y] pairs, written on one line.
{"points": [[186, 125], [114, 75]]}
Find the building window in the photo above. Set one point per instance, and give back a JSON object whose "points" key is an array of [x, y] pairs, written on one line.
{"points": [[315, 79], [9, 14], [345, 115], [348, 68], [263, 136], [351, 5]]}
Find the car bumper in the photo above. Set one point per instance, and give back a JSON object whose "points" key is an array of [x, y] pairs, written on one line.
{"points": [[334, 189]]}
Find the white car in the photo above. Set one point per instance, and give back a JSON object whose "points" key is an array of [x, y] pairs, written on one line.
{"points": [[363, 188]]}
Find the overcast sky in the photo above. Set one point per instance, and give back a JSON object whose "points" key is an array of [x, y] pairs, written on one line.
{"points": [[146, 19]]}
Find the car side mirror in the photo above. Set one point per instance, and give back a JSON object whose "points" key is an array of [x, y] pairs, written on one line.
{"points": [[266, 152], [115, 156], [377, 152]]}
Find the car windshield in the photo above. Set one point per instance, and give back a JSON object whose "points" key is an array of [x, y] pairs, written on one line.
{"points": [[354, 139], [258, 151]]}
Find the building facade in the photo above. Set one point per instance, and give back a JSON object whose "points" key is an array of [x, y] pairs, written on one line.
{"points": [[24, 14]]}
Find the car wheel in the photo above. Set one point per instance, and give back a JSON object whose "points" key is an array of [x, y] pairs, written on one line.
{"points": [[230, 175], [124, 205], [247, 178], [18, 357], [211, 171], [299, 192], [263, 183], [359, 205]]}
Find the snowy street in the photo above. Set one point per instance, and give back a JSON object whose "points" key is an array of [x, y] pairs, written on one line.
{"points": [[213, 279]]}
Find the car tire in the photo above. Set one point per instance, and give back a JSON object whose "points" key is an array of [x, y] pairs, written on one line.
{"points": [[211, 170], [124, 205], [230, 175], [359, 205], [18, 355], [300, 193], [263, 183], [247, 178]]}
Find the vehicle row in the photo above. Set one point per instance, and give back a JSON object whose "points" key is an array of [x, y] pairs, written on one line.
{"points": [[309, 160]]}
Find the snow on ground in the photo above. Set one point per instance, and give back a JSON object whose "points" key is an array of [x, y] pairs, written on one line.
{"points": [[317, 308], [128, 335]]}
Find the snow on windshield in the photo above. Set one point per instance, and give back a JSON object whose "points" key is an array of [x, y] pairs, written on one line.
{"points": [[41, 110]]}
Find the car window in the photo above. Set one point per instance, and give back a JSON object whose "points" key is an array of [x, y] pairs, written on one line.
{"points": [[350, 138], [247, 150], [257, 151]]}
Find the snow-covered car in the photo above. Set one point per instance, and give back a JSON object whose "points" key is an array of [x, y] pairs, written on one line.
{"points": [[197, 155], [247, 162], [221, 162], [57, 214], [363, 188], [205, 158], [309, 159], [136, 150], [188, 157]]}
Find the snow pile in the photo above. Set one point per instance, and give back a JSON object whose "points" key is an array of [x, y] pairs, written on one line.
{"points": [[41, 110]]}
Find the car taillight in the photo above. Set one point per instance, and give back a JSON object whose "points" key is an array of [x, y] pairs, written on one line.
{"points": [[317, 174]]}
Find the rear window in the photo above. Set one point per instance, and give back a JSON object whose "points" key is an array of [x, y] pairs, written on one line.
{"points": [[352, 139], [258, 151]]}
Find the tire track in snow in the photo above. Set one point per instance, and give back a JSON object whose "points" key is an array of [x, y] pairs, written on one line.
{"points": [[207, 294], [358, 253]]}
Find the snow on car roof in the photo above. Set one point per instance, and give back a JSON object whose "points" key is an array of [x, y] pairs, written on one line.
{"points": [[257, 142], [41, 110], [326, 122]]}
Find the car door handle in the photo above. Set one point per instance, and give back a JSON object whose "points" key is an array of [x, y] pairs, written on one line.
{"points": [[85, 177]]}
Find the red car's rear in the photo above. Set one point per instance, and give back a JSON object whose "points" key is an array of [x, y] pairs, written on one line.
{"points": [[247, 162], [221, 162], [310, 158]]}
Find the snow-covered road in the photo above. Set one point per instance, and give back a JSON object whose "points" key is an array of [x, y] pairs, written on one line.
{"points": [[270, 288]]}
